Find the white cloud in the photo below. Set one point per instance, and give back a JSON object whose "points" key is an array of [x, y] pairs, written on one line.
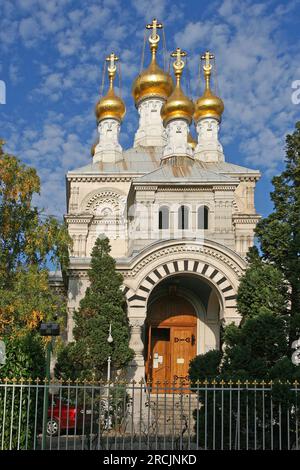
{"points": [[14, 73], [255, 69], [64, 70], [29, 29]]}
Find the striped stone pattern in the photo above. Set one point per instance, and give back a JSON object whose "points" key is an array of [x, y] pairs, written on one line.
{"points": [[138, 299]]}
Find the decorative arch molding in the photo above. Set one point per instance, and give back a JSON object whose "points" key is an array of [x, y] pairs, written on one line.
{"points": [[216, 265], [160, 249], [114, 200]]}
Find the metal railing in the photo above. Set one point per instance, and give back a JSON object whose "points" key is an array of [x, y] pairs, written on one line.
{"points": [[121, 416]]}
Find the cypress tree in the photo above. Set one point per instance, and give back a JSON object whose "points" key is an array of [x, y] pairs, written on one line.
{"points": [[104, 303]]}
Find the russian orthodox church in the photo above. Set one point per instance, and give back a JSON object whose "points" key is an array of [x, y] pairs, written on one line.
{"points": [[180, 219]]}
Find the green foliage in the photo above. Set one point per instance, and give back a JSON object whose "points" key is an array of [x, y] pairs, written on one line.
{"points": [[29, 301], [269, 302], [255, 348], [25, 359], [25, 236], [279, 233], [27, 242], [205, 366], [104, 303], [262, 289]]}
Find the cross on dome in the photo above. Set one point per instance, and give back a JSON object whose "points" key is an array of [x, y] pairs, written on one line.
{"points": [[207, 66], [154, 37], [112, 59], [178, 63]]}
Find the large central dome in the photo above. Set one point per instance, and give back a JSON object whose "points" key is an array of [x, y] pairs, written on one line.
{"points": [[152, 82]]}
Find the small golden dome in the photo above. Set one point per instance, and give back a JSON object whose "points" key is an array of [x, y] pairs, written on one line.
{"points": [[110, 106], [177, 106], [153, 81], [208, 105], [191, 141]]}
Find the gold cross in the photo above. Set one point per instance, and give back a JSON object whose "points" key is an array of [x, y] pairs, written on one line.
{"points": [[112, 59], [178, 64], [154, 26], [208, 56]]}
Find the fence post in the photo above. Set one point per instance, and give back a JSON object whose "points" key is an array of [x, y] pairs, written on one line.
{"points": [[46, 393]]}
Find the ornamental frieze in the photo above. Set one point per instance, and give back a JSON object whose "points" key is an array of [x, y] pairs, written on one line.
{"points": [[183, 249], [101, 179]]}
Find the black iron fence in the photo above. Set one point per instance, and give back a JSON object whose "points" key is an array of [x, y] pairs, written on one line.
{"points": [[116, 416]]}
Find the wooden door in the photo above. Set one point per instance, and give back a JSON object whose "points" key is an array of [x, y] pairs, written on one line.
{"points": [[159, 359], [183, 350], [172, 334]]}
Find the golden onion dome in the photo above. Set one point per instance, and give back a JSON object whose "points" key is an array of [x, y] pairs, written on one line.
{"points": [[177, 106], [191, 141], [153, 81], [110, 106], [208, 105]]}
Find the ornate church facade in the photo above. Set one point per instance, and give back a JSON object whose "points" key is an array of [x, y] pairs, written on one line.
{"points": [[180, 218]]}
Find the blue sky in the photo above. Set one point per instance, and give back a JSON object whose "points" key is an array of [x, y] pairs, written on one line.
{"points": [[51, 59]]}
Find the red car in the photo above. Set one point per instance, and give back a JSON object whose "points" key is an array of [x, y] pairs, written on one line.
{"points": [[63, 416]]}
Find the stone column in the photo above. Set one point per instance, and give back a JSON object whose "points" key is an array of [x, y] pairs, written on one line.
{"points": [[136, 373], [136, 370]]}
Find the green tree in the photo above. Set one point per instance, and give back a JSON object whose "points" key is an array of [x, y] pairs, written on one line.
{"points": [[26, 237], [269, 302], [262, 289], [279, 233], [104, 303], [27, 242]]}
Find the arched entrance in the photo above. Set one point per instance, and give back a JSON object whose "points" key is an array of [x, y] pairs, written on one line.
{"points": [[206, 275], [172, 338]]}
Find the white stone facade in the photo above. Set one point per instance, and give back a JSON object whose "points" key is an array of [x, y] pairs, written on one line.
{"points": [[176, 139], [208, 148], [150, 131], [187, 219], [108, 148]]}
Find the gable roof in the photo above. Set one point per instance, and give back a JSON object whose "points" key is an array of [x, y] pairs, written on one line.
{"points": [[188, 172], [145, 160]]}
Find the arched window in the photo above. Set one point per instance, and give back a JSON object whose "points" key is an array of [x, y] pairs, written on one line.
{"points": [[183, 217], [163, 218], [203, 218]]}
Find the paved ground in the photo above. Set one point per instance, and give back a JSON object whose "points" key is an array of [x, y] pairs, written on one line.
{"points": [[73, 442]]}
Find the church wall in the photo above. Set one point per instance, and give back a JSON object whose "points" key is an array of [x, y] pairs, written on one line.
{"points": [[89, 202], [244, 197], [145, 227]]}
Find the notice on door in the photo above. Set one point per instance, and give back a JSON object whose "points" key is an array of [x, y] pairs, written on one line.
{"points": [[180, 360]]}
